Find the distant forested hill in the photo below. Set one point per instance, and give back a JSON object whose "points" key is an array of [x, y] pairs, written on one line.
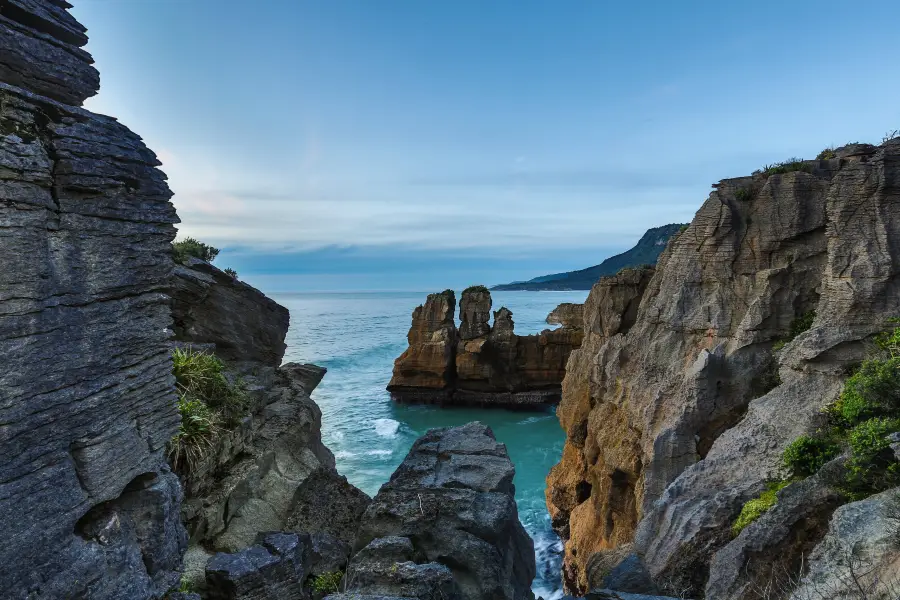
{"points": [[646, 252]]}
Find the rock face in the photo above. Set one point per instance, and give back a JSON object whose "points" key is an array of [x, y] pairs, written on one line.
{"points": [[676, 408], [87, 504], [211, 307], [567, 314], [272, 473], [446, 524], [480, 364], [428, 362]]}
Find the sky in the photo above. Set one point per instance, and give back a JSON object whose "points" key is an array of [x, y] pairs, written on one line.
{"points": [[419, 145]]}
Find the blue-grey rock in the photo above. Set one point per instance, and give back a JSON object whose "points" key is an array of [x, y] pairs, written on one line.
{"points": [[275, 568], [448, 509]]}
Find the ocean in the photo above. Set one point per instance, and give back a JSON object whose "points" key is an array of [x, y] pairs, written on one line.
{"points": [[357, 336]]}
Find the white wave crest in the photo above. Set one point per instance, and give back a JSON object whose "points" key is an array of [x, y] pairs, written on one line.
{"points": [[344, 454], [387, 427], [379, 452]]}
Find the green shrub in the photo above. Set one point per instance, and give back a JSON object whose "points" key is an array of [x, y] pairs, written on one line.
{"points": [[788, 166], [327, 583], [806, 455], [798, 326], [230, 272], [201, 376], [872, 466], [754, 509], [802, 323], [826, 154], [191, 248], [745, 194], [873, 391]]}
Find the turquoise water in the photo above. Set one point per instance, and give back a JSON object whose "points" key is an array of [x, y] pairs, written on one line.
{"points": [[357, 337]]}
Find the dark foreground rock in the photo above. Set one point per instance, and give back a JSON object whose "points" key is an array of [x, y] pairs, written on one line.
{"points": [[88, 507], [210, 306], [481, 364], [446, 523], [273, 569]]}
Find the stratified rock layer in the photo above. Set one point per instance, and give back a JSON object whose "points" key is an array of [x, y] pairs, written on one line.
{"points": [[676, 419], [87, 505], [481, 364], [446, 524], [428, 361], [211, 307]]}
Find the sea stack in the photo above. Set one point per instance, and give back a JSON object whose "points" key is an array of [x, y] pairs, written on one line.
{"points": [[481, 364]]}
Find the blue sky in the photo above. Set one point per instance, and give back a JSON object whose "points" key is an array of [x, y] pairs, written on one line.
{"points": [[413, 145]]}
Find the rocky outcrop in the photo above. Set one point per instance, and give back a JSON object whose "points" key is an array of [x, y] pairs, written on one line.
{"points": [[567, 314], [210, 306], [427, 363], [481, 364], [446, 524], [272, 473], [87, 504], [676, 408]]}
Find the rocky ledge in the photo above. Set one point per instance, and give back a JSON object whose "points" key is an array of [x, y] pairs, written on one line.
{"points": [[695, 376], [480, 364]]}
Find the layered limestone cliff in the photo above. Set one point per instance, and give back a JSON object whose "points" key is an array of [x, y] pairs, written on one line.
{"points": [[270, 470], [88, 505], [677, 409], [480, 363]]}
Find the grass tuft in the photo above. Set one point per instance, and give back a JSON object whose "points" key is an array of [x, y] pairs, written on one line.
{"points": [[207, 401], [327, 583], [754, 509], [789, 166]]}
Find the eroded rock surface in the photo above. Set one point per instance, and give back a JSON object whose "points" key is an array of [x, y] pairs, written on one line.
{"points": [[87, 504], [680, 413], [272, 473], [446, 523], [211, 307], [567, 314], [481, 364], [428, 361]]}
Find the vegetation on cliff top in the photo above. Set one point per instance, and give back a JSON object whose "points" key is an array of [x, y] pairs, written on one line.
{"points": [[190, 248], [475, 289], [207, 401]]}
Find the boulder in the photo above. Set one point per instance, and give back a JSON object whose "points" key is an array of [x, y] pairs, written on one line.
{"points": [[211, 307], [326, 503], [449, 508], [275, 568]]}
